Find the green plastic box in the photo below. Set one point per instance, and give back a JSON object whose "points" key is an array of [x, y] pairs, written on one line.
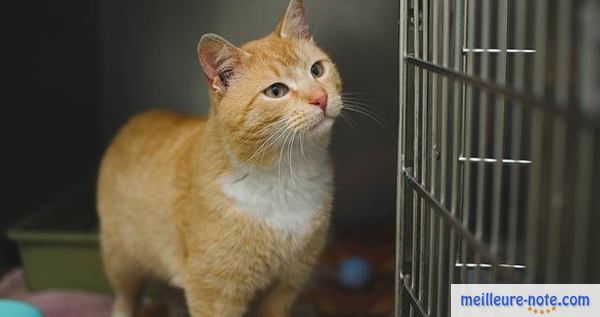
{"points": [[59, 245]]}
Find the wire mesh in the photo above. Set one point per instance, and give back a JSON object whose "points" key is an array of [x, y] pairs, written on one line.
{"points": [[499, 146]]}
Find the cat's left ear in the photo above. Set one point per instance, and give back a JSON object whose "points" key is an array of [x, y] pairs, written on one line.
{"points": [[219, 60], [293, 23]]}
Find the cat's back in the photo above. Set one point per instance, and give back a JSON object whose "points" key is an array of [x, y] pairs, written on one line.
{"points": [[149, 134], [142, 157]]}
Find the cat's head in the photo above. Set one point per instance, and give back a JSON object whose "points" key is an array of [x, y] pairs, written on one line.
{"points": [[272, 92]]}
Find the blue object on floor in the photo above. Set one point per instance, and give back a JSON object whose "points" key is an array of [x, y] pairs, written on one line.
{"points": [[14, 308], [354, 272]]}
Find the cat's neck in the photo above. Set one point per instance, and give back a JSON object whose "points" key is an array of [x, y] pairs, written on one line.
{"points": [[287, 196]]}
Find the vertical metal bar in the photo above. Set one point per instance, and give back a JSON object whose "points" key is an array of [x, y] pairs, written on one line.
{"points": [[416, 112], [445, 64], [416, 81], [482, 131], [557, 175], [458, 20], [417, 138], [563, 48], [441, 287], [424, 158], [557, 200], [499, 128], [468, 139], [533, 208], [399, 293], [589, 79], [517, 123], [414, 240], [434, 104], [582, 204]]}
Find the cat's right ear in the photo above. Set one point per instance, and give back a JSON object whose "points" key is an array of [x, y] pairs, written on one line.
{"points": [[293, 23], [219, 60]]}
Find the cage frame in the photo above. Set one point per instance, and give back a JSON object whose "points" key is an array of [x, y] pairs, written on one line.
{"points": [[438, 73]]}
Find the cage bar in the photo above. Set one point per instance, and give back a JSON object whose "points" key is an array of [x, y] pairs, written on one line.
{"points": [[468, 139], [536, 141], [424, 127], [517, 125]]}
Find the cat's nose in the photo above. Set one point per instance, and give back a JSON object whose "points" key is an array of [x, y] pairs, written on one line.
{"points": [[319, 99]]}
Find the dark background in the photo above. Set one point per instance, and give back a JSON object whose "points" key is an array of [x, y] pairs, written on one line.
{"points": [[75, 70]]}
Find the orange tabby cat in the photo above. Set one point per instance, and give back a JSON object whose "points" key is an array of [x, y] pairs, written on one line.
{"points": [[236, 203]]}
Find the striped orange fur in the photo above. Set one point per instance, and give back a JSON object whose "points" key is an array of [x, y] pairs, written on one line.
{"points": [[234, 204]]}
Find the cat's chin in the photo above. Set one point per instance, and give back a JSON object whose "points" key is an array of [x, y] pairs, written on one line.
{"points": [[323, 126]]}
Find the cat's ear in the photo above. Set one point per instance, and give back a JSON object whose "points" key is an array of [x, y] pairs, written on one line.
{"points": [[293, 23], [219, 60]]}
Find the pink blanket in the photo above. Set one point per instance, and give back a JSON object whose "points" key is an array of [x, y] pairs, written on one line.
{"points": [[55, 303]]}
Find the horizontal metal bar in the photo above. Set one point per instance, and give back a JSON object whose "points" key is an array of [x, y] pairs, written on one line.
{"points": [[486, 265], [498, 50], [414, 301], [492, 160], [572, 114], [465, 234]]}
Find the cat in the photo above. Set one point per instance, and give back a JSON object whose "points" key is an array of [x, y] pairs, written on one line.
{"points": [[236, 203]]}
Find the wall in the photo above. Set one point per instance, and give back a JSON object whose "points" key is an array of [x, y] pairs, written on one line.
{"points": [[49, 121]]}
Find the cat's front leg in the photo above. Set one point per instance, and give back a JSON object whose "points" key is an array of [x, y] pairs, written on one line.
{"points": [[283, 293], [211, 295], [278, 302]]}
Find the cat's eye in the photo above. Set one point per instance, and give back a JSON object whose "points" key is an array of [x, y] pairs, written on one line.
{"points": [[317, 69], [276, 90]]}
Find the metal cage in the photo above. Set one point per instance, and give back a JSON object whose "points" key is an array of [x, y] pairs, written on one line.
{"points": [[499, 146]]}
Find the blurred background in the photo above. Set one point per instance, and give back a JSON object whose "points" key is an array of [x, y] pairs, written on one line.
{"points": [[77, 70]]}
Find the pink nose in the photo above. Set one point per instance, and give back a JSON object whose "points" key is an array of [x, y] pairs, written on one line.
{"points": [[320, 100]]}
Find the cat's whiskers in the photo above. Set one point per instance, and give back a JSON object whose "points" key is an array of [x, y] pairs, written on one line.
{"points": [[275, 137], [288, 139], [302, 140], [270, 141], [365, 112], [281, 153], [290, 155], [354, 93], [357, 106], [351, 122]]}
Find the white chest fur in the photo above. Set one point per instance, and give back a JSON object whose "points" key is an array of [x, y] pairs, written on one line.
{"points": [[285, 200]]}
